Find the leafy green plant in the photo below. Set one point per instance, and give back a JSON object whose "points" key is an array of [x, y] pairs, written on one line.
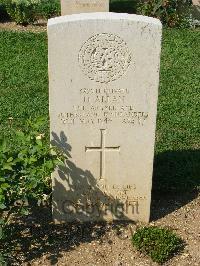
{"points": [[3, 13], [25, 171], [28, 11], [172, 13], [159, 243], [22, 11], [48, 9], [123, 6], [2, 260]]}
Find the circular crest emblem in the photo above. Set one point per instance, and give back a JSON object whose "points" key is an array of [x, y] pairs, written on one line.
{"points": [[104, 57]]}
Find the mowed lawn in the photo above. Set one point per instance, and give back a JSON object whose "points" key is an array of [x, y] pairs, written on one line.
{"points": [[24, 94]]}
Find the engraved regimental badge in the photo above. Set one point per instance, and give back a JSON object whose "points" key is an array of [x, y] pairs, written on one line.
{"points": [[104, 57]]}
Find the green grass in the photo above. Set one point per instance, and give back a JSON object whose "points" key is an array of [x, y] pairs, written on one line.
{"points": [[23, 77], [159, 243], [177, 161], [24, 94], [178, 109]]}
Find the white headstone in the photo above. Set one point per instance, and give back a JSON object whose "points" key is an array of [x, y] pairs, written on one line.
{"points": [[69, 7], [104, 78]]}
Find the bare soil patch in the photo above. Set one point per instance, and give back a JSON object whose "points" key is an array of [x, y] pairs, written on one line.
{"points": [[40, 26], [41, 242]]}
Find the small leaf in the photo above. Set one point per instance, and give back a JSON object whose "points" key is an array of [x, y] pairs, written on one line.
{"points": [[24, 212], [20, 134], [39, 142], [10, 160], [4, 186], [33, 159], [2, 206], [7, 167]]}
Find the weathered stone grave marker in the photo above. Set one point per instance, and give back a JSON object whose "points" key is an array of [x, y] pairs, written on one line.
{"points": [[103, 77], [83, 6]]}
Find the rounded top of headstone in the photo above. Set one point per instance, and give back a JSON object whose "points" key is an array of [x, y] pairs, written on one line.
{"points": [[103, 15]]}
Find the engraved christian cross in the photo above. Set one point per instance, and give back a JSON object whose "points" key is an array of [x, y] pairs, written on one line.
{"points": [[102, 149]]}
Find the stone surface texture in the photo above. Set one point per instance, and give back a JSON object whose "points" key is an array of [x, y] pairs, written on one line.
{"points": [[69, 7], [196, 2], [103, 81], [196, 11]]}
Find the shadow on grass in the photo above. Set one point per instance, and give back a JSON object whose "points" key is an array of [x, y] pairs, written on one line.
{"points": [[176, 181], [123, 6]]}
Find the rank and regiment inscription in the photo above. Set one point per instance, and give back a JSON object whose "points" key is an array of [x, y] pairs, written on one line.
{"points": [[104, 106]]}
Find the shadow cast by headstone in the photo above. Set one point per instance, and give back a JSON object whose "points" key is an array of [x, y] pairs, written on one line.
{"points": [[38, 235], [176, 181], [82, 198], [123, 6]]}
